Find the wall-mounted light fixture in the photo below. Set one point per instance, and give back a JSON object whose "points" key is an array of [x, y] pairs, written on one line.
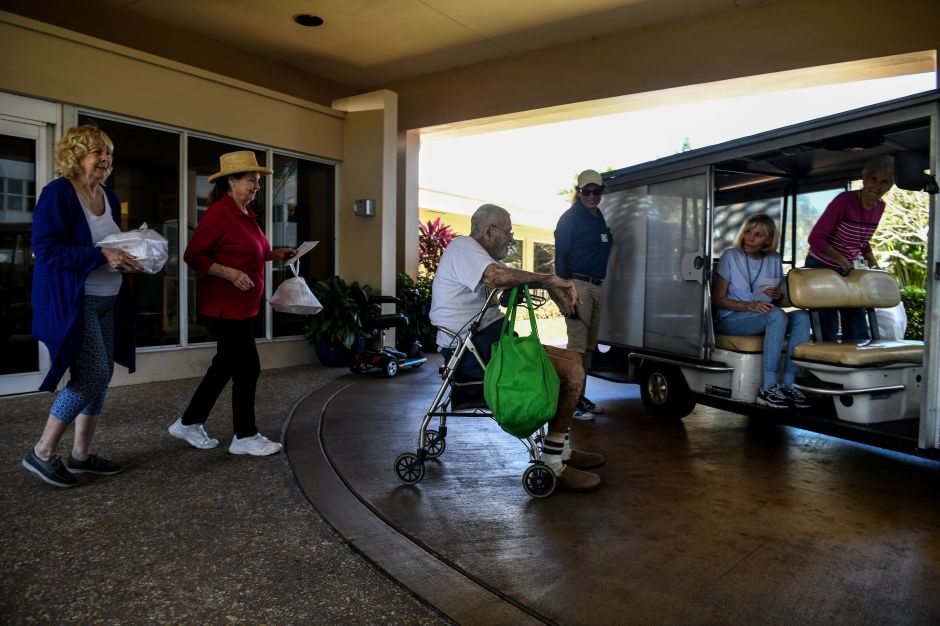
{"points": [[364, 208]]}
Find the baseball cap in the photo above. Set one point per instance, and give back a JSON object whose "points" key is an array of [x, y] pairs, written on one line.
{"points": [[589, 177]]}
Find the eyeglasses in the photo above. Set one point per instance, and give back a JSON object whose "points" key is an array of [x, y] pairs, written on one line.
{"points": [[592, 191], [508, 232]]}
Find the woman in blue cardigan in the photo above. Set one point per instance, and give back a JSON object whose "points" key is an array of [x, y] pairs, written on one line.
{"points": [[82, 310]]}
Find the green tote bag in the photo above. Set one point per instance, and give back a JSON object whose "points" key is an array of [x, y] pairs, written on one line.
{"points": [[520, 385]]}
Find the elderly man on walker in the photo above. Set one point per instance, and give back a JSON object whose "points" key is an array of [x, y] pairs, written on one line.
{"points": [[469, 269]]}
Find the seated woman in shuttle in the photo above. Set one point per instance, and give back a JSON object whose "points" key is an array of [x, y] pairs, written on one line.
{"points": [[747, 294]]}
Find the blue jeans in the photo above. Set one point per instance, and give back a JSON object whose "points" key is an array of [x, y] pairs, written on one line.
{"points": [[854, 321], [773, 325]]}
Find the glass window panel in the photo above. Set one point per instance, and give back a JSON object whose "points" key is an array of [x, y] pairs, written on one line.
{"points": [[203, 162], [728, 220], [514, 258], [146, 179], [544, 254], [302, 211], [17, 173], [810, 207]]}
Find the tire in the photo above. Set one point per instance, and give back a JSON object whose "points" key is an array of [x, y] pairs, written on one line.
{"points": [[539, 481], [389, 367], [434, 443], [664, 392], [409, 469]]}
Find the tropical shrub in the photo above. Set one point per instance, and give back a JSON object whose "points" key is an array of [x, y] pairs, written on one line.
{"points": [[915, 301], [417, 308], [434, 237]]}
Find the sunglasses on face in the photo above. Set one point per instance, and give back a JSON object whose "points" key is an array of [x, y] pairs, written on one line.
{"points": [[592, 191]]}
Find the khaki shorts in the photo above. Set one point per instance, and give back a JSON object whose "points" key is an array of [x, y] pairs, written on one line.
{"points": [[582, 331]]}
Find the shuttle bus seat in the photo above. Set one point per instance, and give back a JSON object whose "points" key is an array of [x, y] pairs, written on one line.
{"points": [[873, 381]]}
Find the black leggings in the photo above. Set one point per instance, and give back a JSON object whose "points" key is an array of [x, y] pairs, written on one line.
{"points": [[236, 359]]}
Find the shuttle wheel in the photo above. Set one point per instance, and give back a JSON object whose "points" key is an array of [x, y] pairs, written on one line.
{"points": [[664, 391]]}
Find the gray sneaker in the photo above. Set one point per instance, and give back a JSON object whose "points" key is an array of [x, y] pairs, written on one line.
{"points": [[773, 397], [796, 397], [51, 471], [193, 434]]}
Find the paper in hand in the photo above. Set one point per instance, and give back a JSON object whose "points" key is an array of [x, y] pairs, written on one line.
{"points": [[302, 249]]}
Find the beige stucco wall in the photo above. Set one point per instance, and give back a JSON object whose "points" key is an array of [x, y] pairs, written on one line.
{"points": [[47, 62], [758, 39]]}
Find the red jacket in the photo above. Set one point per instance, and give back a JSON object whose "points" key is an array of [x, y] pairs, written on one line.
{"points": [[229, 237]]}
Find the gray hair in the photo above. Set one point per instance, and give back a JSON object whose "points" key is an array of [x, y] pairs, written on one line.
{"points": [[484, 216], [883, 163]]}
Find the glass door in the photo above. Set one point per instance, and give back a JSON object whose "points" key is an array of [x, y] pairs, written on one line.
{"points": [[23, 172]]}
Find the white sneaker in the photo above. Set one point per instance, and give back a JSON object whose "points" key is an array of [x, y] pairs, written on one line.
{"points": [[256, 445], [584, 416], [193, 434]]}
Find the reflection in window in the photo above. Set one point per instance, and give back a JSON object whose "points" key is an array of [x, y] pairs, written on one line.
{"points": [[17, 200], [204, 162], [544, 258], [146, 179], [514, 258], [810, 207], [302, 211]]}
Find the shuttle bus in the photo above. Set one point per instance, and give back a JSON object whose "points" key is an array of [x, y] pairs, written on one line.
{"points": [[672, 218]]}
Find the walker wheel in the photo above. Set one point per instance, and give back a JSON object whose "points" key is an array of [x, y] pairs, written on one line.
{"points": [[434, 443], [409, 469], [539, 481]]}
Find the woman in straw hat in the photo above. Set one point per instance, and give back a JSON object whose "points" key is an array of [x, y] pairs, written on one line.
{"points": [[227, 252]]}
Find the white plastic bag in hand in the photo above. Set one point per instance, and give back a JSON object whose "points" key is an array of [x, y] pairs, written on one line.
{"points": [[148, 247], [294, 296]]}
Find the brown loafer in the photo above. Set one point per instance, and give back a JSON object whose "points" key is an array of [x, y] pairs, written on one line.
{"points": [[573, 479], [585, 460]]}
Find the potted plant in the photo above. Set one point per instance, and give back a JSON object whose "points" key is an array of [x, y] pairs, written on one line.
{"points": [[337, 330]]}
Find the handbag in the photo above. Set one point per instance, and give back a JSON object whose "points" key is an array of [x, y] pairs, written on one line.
{"points": [[294, 296], [519, 384]]}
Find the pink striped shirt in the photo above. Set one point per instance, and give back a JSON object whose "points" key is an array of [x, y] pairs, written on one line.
{"points": [[845, 226]]}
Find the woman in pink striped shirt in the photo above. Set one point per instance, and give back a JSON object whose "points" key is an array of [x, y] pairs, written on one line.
{"points": [[841, 237]]}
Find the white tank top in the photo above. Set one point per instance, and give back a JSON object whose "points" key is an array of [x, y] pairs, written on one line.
{"points": [[103, 281]]}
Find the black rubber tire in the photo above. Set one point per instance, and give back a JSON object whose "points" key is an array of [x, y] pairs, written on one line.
{"points": [[664, 391], [389, 367], [409, 469], [539, 481], [434, 443]]}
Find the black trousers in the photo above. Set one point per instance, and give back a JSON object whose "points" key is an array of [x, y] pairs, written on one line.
{"points": [[236, 359]]}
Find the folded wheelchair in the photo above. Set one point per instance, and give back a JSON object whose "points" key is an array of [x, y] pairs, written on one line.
{"points": [[462, 397]]}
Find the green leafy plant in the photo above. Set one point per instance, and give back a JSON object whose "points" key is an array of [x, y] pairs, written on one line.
{"points": [[434, 237], [338, 325], [419, 326], [901, 239], [915, 301]]}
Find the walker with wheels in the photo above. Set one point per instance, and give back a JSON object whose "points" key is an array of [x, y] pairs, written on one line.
{"points": [[461, 397]]}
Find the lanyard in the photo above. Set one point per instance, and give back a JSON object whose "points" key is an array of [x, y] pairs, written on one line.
{"points": [[747, 264]]}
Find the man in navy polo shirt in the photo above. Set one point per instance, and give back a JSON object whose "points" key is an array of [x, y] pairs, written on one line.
{"points": [[582, 246]]}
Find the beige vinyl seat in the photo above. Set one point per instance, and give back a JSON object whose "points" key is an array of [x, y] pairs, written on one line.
{"points": [[874, 381]]}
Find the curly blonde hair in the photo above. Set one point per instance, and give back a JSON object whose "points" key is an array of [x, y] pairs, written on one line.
{"points": [[79, 141]]}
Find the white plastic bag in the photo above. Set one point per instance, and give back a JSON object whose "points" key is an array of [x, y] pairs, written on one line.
{"points": [[892, 322], [148, 247], [294, 296]]}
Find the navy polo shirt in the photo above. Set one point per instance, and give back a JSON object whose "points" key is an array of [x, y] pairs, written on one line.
{"points": [[582, 243]]}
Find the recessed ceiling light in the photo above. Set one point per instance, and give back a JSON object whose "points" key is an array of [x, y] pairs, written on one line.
{"points": [[305, 19]]}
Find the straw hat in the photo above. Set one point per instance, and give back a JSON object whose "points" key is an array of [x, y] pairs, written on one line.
{"points": [[238, 163]]}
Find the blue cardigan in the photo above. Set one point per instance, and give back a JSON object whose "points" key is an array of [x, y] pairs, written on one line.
{"points": [[64, 256]]}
